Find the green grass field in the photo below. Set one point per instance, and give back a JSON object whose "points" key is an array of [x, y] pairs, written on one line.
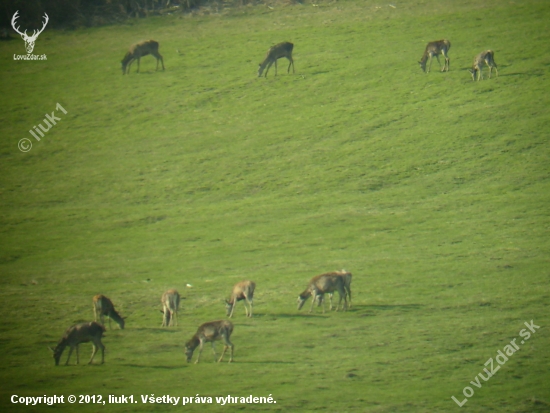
{"points": [[433, 190]]}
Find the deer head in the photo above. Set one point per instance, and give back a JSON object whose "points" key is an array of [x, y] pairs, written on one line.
{"points": [[29, 40]]}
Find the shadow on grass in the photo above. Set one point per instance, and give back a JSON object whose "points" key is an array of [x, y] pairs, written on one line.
{"points": [[302, 315], [170, 330], [142, 366], [265, 362], [388, 307]]}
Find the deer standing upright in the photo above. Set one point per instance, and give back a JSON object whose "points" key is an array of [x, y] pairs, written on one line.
{"points": [[80, 333], [273, 54], [435, 49], [104, 307], [170, 302], [243, 290], [211, 332], [137, 51], [486, 58]]}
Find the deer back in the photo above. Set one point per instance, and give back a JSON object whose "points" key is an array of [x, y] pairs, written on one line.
{"points": [[76, 334], [242, 290], [140, 49], [171, 300]]}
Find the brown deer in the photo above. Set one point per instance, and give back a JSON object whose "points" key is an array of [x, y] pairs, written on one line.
{"points": [[29, 40], [211, 332], [243, 290], [321, 284], [137, 51], [435, 49], [104, 307], [170, 302], [276, 52], [347, 285], [484, 58], [80, 333]]}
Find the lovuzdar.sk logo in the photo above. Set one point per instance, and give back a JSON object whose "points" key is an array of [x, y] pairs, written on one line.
{"points": [[29, 40]]}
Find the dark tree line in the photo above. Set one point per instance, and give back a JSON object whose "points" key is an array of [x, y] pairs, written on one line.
{"points": [[78, 13]]}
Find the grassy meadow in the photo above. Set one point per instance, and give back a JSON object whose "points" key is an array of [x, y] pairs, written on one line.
{"points": [[432, 189]]}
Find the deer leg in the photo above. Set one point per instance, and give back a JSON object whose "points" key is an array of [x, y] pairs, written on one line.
{"points": [[128, 66], [223, 353], [330, 301], [138, 59], [267, 69], [227, 344], [289, 64], [250, 302], [275, 67], [214, 351], [234, 299], [98, 344], [94, 351], [344, 294], [322, 302], [313, 299], [200, 351], [69, 356], [159, 57], [438, 61]]}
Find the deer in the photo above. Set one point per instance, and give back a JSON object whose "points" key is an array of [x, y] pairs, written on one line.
{"points": [[276, 52], [347, 285], [137, 51], [104, 307], [211, 332], [80, 333], [29, 40], [243, 290], [435, 49], [487, 58], [321, 284], [170, 302]]}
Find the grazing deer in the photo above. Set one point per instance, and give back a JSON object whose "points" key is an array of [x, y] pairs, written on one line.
{"points": [[347, 285], [29, 40], [484, 58], [276, 52], [435, 49], [170, 302], [80, 333], [241, 291], [321, 284], [211, 332], [104, 307], [139, 50]]}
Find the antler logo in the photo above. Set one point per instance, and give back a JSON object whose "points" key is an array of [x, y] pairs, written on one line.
{"points": [[29, 40]]}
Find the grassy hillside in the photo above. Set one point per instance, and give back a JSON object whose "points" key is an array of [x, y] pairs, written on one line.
{"points": [[433, 190]]}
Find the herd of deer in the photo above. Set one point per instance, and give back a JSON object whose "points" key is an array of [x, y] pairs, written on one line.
{"points": [[210, 332], [441, 47], [284, 49]]}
